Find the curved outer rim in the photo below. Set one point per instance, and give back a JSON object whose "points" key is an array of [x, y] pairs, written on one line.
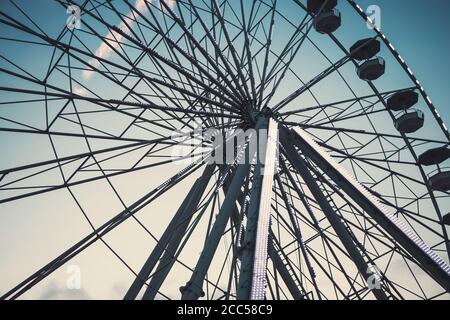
{"points": [[405, 67], [430, 105]]}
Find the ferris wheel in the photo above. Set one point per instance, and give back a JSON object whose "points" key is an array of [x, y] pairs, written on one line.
{"points": [[348, 198]]}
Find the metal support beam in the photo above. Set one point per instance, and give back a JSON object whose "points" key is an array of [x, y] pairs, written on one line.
{"points": [[427, 259], [168, 259], [280, 263], [288, 279], [252, 279], [298, 234], [338, 226], [170, 239], [97, 234]]}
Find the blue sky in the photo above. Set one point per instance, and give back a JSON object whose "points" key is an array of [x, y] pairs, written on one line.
{"points": [[420, 30]]}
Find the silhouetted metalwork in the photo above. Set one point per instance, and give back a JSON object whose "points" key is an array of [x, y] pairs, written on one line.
{"points": [[349, 208]]}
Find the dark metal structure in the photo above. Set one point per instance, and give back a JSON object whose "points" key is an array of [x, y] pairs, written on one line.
{"points": [[338, 203]]}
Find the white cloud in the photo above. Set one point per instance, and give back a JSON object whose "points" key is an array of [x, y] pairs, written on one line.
{"points": [[79, 90], [114, 39], [170, 3], [55, 292]]}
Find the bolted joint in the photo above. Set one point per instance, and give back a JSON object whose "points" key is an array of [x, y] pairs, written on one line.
{"points": [[196, 291]]}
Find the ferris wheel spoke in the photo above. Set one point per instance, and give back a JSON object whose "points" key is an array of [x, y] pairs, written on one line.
{"points": [[216, 12], [303, 278], [69, 134], [298, 234], [407, 239], [148, 84], [411, 216], [366, 228], [70, 98], [369, 110], [107, 103], [157, 88], [327, 242], [372, 162], [338, 227], [293, 46], [81, 155], [347, 130], [98, 233], [384, 94], [65, 94], [389, 175], [255, 26], [284, 268], [189, 45], [192, 60], [311, 83], [196, 45], [175, 59], [169, 242], [57, 163], [326, 267], [262, 84], [49, 188], [324, 74], [369, 236], [346, 113], [274, 72], [70, 49], [287, 226], [329, 267], [289, 47], [218, 51], [194, 106], [246, 49], [367, 231]]}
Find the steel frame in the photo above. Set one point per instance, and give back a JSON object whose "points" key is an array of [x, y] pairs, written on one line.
{"points": [[222, 72]]}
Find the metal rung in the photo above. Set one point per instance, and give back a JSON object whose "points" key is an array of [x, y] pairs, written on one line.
{"points": [[429, 260]]}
